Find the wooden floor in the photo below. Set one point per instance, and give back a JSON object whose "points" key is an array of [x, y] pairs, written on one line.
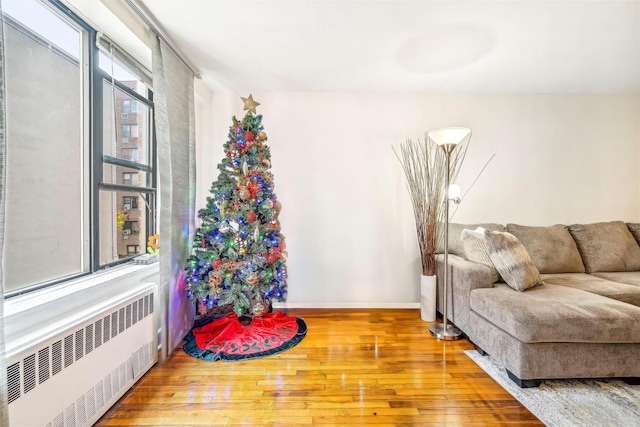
{"points": [[355, 367]]}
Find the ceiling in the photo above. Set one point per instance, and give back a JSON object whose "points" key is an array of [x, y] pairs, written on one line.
{"points": [[506, 46]]}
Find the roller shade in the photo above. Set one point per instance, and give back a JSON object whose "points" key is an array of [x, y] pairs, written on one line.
{"points": [[108, 46]]}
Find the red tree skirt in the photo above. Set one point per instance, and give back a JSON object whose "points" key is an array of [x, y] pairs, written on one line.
{"points": [[227, 339]]}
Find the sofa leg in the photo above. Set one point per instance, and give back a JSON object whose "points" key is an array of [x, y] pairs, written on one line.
{"points": [[632, 380], [523, 383], [480, 351]]}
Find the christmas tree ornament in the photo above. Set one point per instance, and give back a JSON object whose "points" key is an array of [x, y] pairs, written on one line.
{"points": [[253, 189], [237, 258], [251, 216], [252, 279], [244, 193], [258, 308], [249, 104], [272, 258]]}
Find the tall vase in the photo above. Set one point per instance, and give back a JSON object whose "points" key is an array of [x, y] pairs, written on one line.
{"points": [[428, 286]]}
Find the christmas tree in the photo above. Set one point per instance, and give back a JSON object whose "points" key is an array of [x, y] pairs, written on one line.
{"points": [[239, 254]]}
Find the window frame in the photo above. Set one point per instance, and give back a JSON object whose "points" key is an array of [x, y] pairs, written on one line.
{"points": [[87, 63], [92, 125], [148, 191], [132, 202]]}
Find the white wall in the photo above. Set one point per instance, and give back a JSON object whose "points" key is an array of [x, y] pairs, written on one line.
{"points": [[346, 212]]}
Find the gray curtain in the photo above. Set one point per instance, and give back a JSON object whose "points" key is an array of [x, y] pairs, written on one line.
{"points": [[175, 132], [4, 410]]}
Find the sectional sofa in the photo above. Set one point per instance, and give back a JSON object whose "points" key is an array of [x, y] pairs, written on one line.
{"points": [[581, 317]]}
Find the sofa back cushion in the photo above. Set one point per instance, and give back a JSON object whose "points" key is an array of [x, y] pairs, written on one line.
{"points": [[606, 246], [455, 231], [634, 228], [552, 249]]}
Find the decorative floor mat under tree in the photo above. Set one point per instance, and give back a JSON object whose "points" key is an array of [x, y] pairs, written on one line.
{"points": [[227, 339]]}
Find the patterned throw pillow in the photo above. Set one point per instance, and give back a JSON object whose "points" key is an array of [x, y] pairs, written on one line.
{"points": [[512, 260], [476, 250]]}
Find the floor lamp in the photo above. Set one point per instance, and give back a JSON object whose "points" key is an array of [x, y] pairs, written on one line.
{"points": [[447, 139]]}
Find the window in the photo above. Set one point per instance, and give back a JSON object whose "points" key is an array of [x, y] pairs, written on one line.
{"points": [[129, 106], [129, 131], [45, 69], [129, 178], [89, 184], [128, 169], [130, 154], [130, 227], [129, 203]]}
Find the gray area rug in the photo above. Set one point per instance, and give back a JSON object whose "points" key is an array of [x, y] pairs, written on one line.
{"points": [[572, 403]]}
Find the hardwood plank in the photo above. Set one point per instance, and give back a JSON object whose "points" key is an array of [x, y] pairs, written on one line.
{"points": [[355, 367]]}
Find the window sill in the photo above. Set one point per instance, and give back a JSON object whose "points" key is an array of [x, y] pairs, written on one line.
{"points": [[32, 317]]}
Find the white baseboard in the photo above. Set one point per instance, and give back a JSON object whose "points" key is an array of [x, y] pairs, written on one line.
{"points": [[390, 305]]}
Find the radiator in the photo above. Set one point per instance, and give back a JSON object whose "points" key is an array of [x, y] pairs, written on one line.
{"points": [[73, 377]]}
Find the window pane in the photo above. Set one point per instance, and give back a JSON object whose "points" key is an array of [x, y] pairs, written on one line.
{"points": [[122, 225], [121, 175], [121, 73], [42, 22], [47, 193], [126, 126]]}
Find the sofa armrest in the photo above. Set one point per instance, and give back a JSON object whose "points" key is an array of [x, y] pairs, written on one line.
{"points": [[464, 277]]}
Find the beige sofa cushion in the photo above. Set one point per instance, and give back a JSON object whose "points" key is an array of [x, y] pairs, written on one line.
{"points": [[475, 250], [511, 260], [611, 285], [552, 249], [606, 246], [634, 228], [550, 313], [628, 277], [455, 231]]}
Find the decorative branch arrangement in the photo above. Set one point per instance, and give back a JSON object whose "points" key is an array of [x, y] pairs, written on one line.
{"points": [[425, 168]]}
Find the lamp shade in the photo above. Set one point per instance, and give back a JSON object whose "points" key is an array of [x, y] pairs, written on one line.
{"points": [[446, 136], [454, 191]]}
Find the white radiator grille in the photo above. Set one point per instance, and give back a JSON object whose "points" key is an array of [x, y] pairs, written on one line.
{"points": [[72, 379], [56, 358], [13, 381]]}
